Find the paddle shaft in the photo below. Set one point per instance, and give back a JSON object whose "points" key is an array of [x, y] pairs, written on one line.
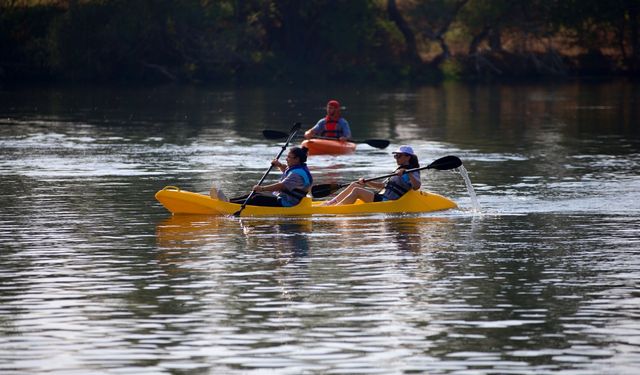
{"points": [[377, 143], [444, 163], [294, 130], [390, 175]]}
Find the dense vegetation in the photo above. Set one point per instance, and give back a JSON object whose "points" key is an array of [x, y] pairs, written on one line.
{"points": [[269, 41]]}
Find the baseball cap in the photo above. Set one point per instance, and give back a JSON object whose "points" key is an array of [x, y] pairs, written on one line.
{"points": [[333, 103], [404, 150]]}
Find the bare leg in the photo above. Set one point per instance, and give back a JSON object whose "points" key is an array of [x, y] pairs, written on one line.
{"points": [[342, 194], [357, 193]]}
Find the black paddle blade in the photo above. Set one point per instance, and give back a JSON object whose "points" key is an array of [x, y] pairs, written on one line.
{"points": [[322, 190], [277, 134], [445, 163], [377, 143], [274, 134]]}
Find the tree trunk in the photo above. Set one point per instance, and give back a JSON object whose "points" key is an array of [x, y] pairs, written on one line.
{"points": [[439, 34], [495, 43], [442, 57], [407, 33], [477, 39], [634, 10]]}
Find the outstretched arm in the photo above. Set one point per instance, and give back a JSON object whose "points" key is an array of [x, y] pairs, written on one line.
{"points": [[316, 130], [278, 186], [373, 184], [309, 134]]}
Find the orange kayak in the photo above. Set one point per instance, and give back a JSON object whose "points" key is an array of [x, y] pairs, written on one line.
{"points": [[328, 147]]}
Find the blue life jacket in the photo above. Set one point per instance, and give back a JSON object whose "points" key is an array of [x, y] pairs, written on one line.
{"points": [[396, 187], [292, 197]]}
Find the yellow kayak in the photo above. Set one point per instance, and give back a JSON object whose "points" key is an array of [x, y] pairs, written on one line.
{"points": [[185, 202]]}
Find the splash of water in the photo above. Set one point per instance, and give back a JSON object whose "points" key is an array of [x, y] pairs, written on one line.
{"points": [[472, 193]]}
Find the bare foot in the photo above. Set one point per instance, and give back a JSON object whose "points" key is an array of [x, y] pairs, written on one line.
{"points": [[214, 193]]}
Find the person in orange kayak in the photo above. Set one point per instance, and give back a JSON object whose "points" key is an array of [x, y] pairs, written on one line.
{"points": [[333, 125], [394, 187], [294, 184]]}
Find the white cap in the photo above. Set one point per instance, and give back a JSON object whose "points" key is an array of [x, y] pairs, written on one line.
{"points": [[404, 150]]}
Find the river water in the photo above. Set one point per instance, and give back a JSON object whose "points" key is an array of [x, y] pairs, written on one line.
{"points": [[96, 277]]}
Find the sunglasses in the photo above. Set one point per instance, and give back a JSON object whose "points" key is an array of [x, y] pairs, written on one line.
{"points": [[399, 155]]}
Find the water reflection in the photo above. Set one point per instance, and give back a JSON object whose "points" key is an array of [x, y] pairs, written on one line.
{"points": [[294, 236], [412, 233], [189, 231], [290, 235], [418, 234], [186, 231]]}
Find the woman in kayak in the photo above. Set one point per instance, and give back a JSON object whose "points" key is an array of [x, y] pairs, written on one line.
{"points": [[294, 184], [333, 125], [394, 187]]}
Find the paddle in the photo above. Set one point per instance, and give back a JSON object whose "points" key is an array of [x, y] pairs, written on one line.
{"points": [[377, 143], [444, 163], [292, 133]]}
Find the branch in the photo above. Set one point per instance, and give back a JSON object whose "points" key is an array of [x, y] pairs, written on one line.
{"points": [[160, 69]]}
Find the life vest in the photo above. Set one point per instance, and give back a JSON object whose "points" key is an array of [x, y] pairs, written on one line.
{"points": [[396, 187], [292, 197], [332, 128]]}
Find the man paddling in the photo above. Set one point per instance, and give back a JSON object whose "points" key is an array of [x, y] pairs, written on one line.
{"points": [[333, 125]]}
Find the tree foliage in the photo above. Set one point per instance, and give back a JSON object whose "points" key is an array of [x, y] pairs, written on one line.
{"points": [[298, 40]]}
